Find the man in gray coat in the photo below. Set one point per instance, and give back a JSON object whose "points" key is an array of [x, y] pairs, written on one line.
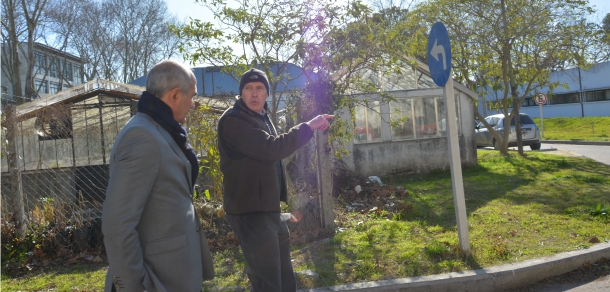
{"points": [[152, 234]]}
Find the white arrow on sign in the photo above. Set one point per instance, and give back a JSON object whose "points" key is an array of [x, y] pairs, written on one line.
{"points": [[439, 50]]}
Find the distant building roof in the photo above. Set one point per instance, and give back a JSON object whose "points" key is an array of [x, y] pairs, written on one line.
{"points": [[213, 81], [78, 93], [57, 52]]}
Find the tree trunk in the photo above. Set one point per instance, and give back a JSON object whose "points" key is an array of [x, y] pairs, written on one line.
{"points": [[517, 118], [11, 66]]}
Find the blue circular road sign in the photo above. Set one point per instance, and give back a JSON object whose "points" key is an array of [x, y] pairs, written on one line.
{"points": [[439, 54]]}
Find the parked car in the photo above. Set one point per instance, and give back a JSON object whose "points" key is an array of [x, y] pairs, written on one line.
{"points": [[529, 130]]}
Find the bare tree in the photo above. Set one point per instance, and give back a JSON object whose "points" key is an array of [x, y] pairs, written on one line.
{"points": [[117, 39], [13, 29], [88, 32], [19, 31], [142, 34], [32, 11], [20, 22]]}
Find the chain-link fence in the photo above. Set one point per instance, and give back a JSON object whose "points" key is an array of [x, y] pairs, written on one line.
{"points": [[55, 169], [55, 160]]}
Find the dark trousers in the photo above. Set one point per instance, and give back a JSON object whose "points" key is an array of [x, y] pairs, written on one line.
{"points": [[265, 241]]}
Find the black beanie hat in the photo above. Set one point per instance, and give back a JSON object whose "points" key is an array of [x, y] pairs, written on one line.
{"points": [[253, 75]]}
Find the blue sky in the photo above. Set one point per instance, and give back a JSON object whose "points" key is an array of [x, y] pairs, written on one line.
{"points": [[601, 5], [188, 8]]}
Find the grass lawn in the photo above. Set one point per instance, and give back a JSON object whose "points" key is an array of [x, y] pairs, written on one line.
{"points": [[88, 277], [518, 209], [588, 128]]}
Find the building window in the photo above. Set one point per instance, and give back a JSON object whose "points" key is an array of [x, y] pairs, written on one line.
{"points": [[420, 118], [54, 87], [54, 68], [40, 64], [565, 98], [66, 86], [41, 86], [401, 120], [4, 93], [78, 74], [5, 96], [425, 117], [598, 95], [528, 101], [368, 123], [67, 70]]}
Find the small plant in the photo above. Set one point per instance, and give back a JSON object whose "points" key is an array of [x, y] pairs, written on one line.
{"points": [[500, 248], [43, 214], [397, 216], [35, 244], [435, 249], [378, 213], [563, 163], [598, 211], [580, 246], [590, 178]]}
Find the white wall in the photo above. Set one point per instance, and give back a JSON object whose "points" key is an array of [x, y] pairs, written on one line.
{"points": [[575, 80], [567, 110], [416, 155], [593, 78]]}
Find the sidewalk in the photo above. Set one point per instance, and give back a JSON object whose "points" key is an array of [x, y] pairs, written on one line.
{"points": [[496, 278], [577, 142]]}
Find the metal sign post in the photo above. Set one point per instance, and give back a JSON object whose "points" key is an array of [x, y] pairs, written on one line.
{"points": [[540, 99], [439, 61]]}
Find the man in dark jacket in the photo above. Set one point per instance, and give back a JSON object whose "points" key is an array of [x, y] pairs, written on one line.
{"points": [[251, 154]]}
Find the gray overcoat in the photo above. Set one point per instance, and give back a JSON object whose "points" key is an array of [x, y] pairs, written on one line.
{"points": [[152, 234]]}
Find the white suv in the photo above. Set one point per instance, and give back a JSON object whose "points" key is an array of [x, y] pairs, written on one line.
{"points": [[529, 130]]}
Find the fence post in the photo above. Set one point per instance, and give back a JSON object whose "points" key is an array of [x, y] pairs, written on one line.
{"points": [[16, 207], [325, 183]]}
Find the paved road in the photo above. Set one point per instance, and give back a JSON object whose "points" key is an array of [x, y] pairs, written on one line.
{"points": [[596, 152], [599, 285], [566, 282]]}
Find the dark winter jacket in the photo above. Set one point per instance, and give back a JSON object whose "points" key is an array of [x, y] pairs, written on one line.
{"points": [[249, 156]]}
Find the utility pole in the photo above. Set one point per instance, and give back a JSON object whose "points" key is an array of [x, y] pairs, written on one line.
{"points": [[17, 207], [325, 183]]}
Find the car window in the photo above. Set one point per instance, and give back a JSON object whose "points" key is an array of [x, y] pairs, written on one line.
{"points": [[498, 122], [491, 121], [525, 120]]}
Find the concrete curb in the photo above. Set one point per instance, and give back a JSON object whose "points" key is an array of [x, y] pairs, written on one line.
{"points": [[491, 279], [577, 142]]}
